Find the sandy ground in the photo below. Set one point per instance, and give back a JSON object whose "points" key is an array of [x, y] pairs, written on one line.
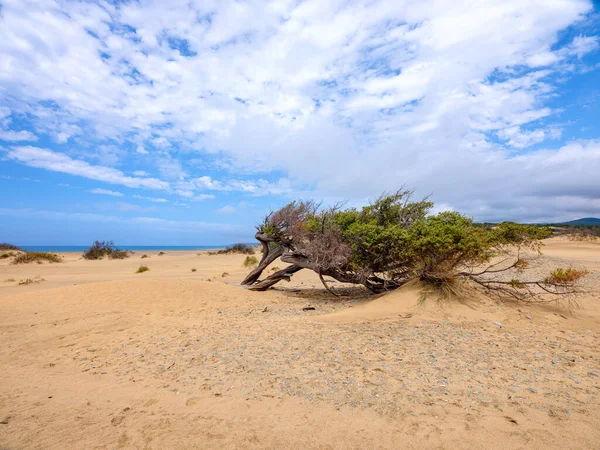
{"points": [[98, 357]]}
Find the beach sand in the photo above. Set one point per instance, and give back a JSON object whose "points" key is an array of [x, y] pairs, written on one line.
{"points": [[96, 356]]}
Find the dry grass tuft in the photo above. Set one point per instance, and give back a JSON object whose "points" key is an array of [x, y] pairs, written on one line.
{"points": [[142, 269], [145, 256], [34, 280], [565, 276], [161, 253], [39, 257], [6, 246], [10, 280], [193, 270], [250, 261]]}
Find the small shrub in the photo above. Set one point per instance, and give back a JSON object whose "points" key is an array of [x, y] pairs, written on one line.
{"points": [[38, 257], [6, 246], [250, 261], [161, 253], [225, 274], [142, 269], [7, 255], [145, 256], [27, 281], [10, 280], [244, 249], [565, 276], [275, 269], [99, 249], [193, 270]]}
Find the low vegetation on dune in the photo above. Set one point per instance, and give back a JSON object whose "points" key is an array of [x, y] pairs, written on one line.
{"points": [[395, 239], [161, 253], [241, 248], [250, 261], [9, 280], [5, 255], [28, 281], [6, 246], [38, 257], [145, 256], [142, 269], [100, 249]]}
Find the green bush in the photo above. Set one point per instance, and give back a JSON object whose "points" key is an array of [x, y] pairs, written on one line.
{"points": [[394, 240], [100, 249], [39, 257]]}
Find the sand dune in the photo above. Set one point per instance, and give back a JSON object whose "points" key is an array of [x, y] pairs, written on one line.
{"points": [[96, 356]]}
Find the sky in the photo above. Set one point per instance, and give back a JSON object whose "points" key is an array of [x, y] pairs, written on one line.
{"points": [[185, 122]]}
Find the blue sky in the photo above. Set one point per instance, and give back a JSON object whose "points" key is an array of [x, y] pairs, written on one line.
{"points": [[184, 122]]}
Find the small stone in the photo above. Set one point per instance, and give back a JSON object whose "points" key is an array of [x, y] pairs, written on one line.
{"points": [[534, 390]]}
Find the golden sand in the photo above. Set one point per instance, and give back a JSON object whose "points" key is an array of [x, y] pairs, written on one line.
{"points": [[96, 356]]}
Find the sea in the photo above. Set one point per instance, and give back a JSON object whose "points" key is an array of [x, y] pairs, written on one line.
{"points": [[81, 248]]}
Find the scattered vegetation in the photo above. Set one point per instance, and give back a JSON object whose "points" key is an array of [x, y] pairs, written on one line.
{"points": [[39, 257], [244, 249], [27, 281], [6, 246], [275, 269], [10, 280], [562, 276], [250, 261], [161, 253], [144, 256], [5, 255], [395, 239], [225, 274], [193, 270], [99, 249], [142, 269]]}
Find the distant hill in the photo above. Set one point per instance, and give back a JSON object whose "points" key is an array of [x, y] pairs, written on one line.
{"points": [[585, 221]]}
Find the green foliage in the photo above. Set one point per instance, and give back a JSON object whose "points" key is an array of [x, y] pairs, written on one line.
{"points": [[395, 239], [39, 257], [142, 269], [99, 249]]}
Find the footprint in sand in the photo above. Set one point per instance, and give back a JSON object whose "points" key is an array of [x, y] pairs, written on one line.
{"points": [[192, 401]]}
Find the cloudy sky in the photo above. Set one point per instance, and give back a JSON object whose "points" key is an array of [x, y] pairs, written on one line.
{"points": [[184, 122]]}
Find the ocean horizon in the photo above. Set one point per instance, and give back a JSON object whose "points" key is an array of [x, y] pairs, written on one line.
{"points": [[82, 248]]}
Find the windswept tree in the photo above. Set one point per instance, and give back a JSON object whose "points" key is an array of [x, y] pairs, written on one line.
{"points": [[394, 240]]}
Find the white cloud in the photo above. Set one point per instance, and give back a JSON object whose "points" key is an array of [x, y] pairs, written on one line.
{"points": [[106, 192], [342, 98], [14, 136], [151, 199], [227, 209], [59, 162], [201, 197], [141, 173]]}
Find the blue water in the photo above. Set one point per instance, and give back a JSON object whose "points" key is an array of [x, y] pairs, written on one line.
{"points": [[81, 248]]}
